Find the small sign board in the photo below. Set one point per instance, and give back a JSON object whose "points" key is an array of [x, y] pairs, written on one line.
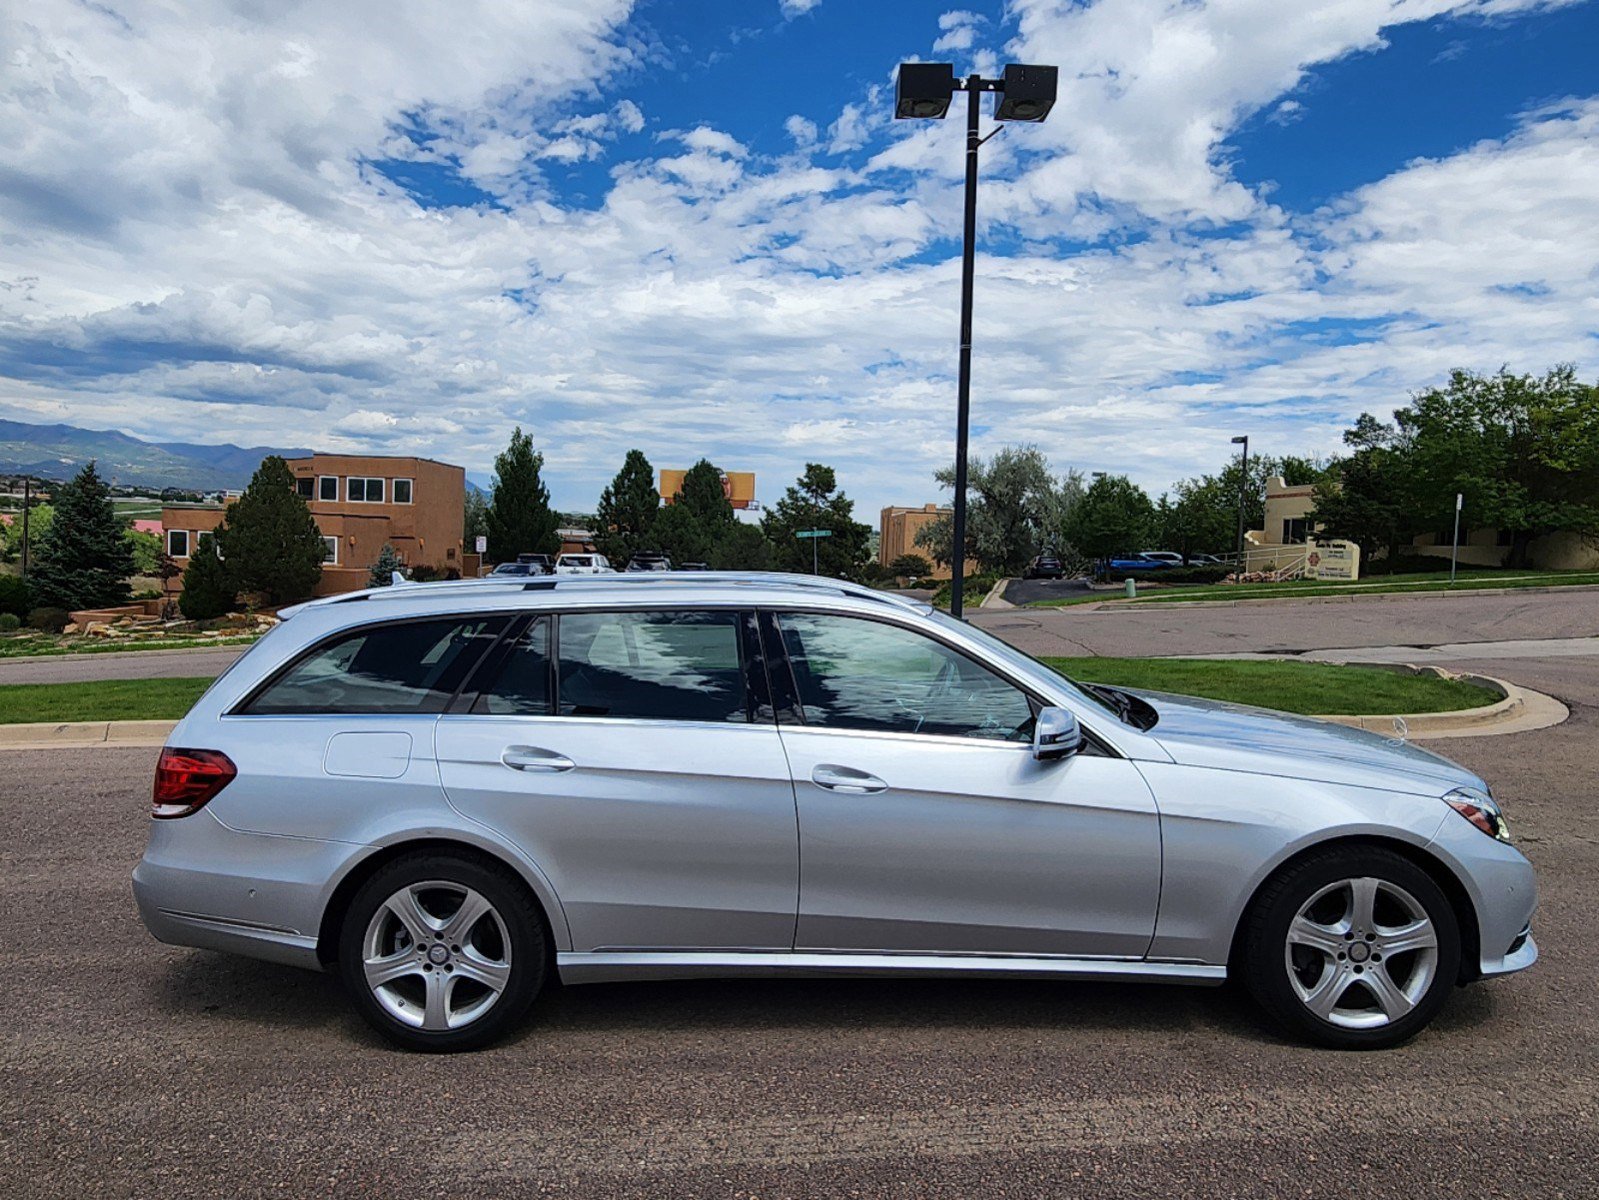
{"points": [[813, 533], [481, 543], [1333, 560]]}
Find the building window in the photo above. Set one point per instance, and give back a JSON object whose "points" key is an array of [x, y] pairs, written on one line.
{"points": [[304, 485], [330, 549], [1295, 531], [402, 491], [327, 487], [363, 490], [178, 543]]}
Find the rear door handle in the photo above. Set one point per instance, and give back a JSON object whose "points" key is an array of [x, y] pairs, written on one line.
{"points": [[535, 758], [846, 779]]}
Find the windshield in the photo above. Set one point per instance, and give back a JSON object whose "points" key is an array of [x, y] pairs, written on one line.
{"points": [[1007, 653]]}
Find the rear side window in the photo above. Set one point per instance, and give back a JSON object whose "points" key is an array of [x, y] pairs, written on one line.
{"points": [[412, 667], [672, 666]]}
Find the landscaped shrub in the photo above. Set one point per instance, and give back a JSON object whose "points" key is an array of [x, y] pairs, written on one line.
{"points": [[1205, 574], [50, 620], [16, 595], [10, 622], [423, 572]]}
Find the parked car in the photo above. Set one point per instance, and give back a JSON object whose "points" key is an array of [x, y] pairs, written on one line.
{"points": [[517, 568], [649, 562], [1170, 557], [453, 793], [1045, 566], [1137, 562], [696, 566], [582, 564]]}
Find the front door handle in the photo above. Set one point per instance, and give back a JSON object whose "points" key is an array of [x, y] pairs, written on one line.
{"points": [[847, 779], [535, 758]]}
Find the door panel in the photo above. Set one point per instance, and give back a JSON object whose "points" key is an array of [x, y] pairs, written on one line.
{"points": [[654, 834], [958, 845]]}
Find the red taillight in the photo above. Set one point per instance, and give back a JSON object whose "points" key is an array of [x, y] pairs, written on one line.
{"points": [[186, 779]]}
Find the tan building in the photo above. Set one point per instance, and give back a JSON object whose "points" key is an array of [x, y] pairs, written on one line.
{"points": [[896, 534], [360, 501]]}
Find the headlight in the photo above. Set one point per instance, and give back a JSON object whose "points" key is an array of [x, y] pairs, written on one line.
{"points": [[1481, 809]]}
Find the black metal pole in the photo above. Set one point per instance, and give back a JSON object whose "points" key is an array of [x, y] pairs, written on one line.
{"points": [[27, 498], [963, 411], [1243, 491]]}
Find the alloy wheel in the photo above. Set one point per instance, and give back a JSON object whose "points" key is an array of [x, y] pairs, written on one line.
{"points": [[1361, 953], [436, 955]]}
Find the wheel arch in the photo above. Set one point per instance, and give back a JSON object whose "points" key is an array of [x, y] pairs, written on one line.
{"points": [[327, 941], [1437, 870]]}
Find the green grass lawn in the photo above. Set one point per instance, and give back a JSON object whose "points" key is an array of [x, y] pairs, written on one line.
{"points": [[1429, 581], [100, 700], [1324, 689], [1297, 687]]}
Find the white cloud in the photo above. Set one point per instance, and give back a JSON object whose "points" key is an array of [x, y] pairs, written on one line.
{"points": [[198, 246], [797, 8], [959, 31]]}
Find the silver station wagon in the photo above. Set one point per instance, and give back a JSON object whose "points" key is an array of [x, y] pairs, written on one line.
{"points": [[453, 792]]}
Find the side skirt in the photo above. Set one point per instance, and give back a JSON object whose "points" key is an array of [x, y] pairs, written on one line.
{"points": [[609, 966]]}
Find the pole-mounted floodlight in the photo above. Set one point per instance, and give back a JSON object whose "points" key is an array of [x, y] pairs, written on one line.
{"points": [[924, 90]]}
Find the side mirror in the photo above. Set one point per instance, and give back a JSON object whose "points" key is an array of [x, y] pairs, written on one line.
{"points": [[1056, 734]]}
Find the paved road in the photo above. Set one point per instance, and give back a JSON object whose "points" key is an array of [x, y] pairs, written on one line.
{"points": [[127, 1067], [1030, 591], [138, 664], [1165, 629]]}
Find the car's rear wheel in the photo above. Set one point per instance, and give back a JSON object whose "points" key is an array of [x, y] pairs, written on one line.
{"points": [[1356, 948], [442, 952]]}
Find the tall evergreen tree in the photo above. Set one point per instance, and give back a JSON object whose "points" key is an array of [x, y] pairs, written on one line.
{"points": [[705, 497], [814, 502], [209, 589], [627, 511], [382, 571], [269, 539], [83, 561], [520, 520]]}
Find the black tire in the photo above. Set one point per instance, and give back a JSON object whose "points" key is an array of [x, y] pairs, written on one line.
{"points": [[1267, 955], [523, 942]]}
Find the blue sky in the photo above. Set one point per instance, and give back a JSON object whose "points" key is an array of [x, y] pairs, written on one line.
{"points": [[693, 228]]}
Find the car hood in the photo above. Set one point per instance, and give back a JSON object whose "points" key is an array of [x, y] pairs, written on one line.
{"points": [[1235, 737]]}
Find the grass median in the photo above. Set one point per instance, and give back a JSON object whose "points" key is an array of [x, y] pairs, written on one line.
{"points": [[100, 700], [1297, 687], [1296, 589], [1315, 689]]}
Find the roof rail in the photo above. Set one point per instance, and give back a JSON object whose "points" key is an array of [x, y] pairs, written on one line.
{"points": [[521, 583]]}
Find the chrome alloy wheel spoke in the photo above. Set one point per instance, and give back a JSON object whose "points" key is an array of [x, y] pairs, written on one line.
{"points": [[423, 942]]}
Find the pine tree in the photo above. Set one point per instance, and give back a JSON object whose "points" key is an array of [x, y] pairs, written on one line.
{"points": [[270, 540], [520, 520], [628, 508], [382, 573], [83, 561], [706, 499], [208, 586], [814, 502]]}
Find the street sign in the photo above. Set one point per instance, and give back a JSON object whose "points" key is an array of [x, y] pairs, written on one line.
{"points": [[482, 544], [813, 533]]}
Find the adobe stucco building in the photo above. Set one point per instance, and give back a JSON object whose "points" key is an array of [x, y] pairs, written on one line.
{"points": [[360, 501]]}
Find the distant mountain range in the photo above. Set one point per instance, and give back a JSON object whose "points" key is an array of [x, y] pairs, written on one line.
{"points": [[60, 451]]}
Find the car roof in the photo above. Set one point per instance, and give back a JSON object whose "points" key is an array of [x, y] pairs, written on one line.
{"points": [[668, 587]]}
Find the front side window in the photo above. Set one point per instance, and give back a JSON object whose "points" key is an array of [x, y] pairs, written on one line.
{"points": [[853, 673], [403, 669], [178, 543], [402, 491], [669, 666], [363, 490]]}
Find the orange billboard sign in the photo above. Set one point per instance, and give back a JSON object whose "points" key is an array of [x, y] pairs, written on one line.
{"points": [[737, 486]]}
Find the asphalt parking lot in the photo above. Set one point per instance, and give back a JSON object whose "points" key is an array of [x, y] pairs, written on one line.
{"points": [[130, 1067]]}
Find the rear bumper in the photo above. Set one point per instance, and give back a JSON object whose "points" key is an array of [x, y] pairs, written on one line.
{"points": [[203, 884]]}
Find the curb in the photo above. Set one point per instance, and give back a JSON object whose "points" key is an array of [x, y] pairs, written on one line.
{"points": [[996, 596], [71, 735], [1114, 605]]}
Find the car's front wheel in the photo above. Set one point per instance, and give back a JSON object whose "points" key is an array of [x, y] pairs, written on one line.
{"points": [[442, 952], [1356, 948]]}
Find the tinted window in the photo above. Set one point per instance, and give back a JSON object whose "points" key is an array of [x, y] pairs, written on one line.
{"points": [[662, 665], [857, 674], [409, 668], [523, 686]]}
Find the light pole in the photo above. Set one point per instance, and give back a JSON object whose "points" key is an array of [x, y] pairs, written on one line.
{"points": [[1243, 490], [924, 91], [1454, 550]]}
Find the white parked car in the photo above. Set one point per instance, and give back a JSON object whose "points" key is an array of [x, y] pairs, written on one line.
{"points": [[583, 564]]}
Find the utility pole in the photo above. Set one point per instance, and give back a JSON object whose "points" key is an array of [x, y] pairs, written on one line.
{"points": [[27, 502], [1243, 492]]}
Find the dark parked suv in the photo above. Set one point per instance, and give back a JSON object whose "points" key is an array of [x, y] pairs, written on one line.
{"points": [[1046, 566]]}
